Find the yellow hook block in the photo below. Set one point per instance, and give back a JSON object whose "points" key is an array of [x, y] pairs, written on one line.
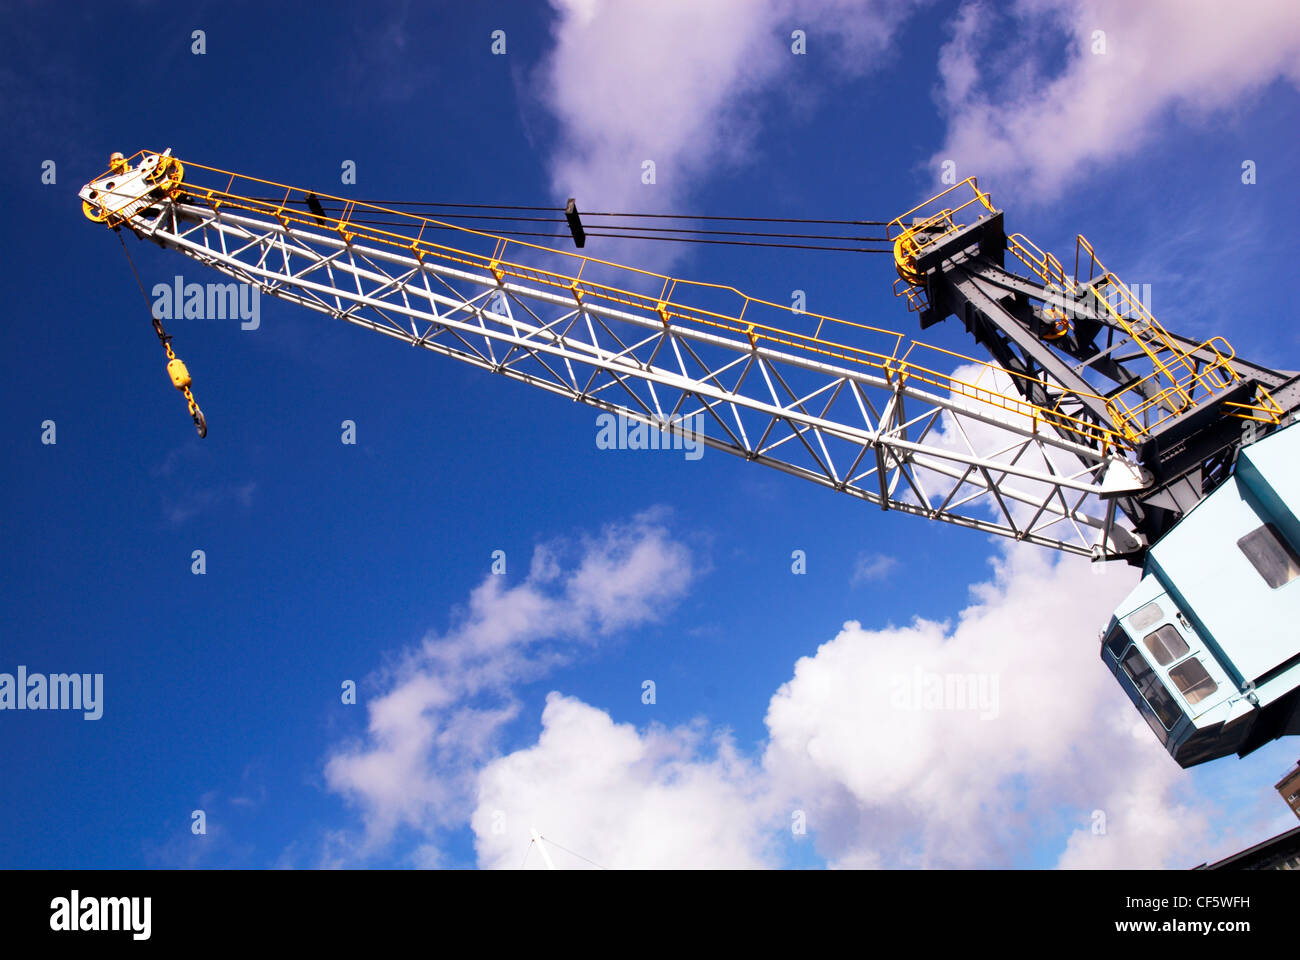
{"points": [[180, 376]]}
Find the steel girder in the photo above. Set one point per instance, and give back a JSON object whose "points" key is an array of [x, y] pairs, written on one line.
{"points": [[1187, 455], [887, 439]]}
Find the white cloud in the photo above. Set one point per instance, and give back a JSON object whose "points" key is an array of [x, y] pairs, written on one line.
{"points": [[1153, 829], [1026, 100], [999, 404], [872, 566], [953, 783], [191, 502], [882, 784], [447, 701], [622, 799], [677, 82], [1027, 739], [1042, 115]]}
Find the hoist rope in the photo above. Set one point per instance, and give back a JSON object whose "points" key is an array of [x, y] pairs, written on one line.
{"points": [[621, 231], [175, 367]]}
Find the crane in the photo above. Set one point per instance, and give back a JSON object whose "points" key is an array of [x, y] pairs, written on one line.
{"points": [[1092, 429]]}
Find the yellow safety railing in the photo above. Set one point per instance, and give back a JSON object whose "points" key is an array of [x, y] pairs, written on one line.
{"points": [[1184, 378], [1180, 379], [917, 301], [928, 223], [825, 338], [1044, 264]]}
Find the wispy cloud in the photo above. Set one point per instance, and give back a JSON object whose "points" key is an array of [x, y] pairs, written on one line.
{"points": [[1054, 88], [1052, 752], [185, 494], [218, 845], [870, 567], [613, 796], [183, 506], [447, 701], [678, 83], [879, 780], [388, 56]]}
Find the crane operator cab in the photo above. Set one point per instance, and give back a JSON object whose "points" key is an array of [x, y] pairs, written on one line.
{"points": [[1207, 646]]}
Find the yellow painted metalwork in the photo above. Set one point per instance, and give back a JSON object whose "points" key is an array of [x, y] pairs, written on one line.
{"points": [[163, 181], [92, 212], [168, 174], [180, 376], [1179, 379], [927, 223], [1044, 264], [893, 359], [1060, 324]]}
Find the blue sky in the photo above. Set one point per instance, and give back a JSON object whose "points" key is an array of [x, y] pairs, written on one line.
{"points": [[371, 563]]}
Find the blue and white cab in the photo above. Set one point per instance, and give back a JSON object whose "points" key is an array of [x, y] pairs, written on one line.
{"points": [[1207, 646]]}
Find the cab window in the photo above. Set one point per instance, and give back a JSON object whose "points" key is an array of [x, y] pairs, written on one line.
{"points": [[1166, 644], [1271, 555], [1149, 685], [1146, 615], [1192, 680], [1116, 641]]}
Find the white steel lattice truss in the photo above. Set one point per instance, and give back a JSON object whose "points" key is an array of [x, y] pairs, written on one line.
{"points": [[890, 440]]}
